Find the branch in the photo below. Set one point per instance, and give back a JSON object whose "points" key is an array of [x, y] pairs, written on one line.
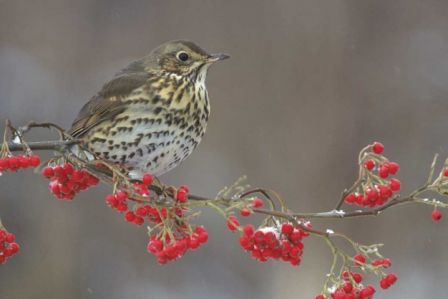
{"points": [[55, 145]]}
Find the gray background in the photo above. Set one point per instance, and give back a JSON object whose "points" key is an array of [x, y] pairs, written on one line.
{"points": [[308, 85]]}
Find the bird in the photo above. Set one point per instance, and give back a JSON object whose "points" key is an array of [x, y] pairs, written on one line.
{"points": [[153, 113]]}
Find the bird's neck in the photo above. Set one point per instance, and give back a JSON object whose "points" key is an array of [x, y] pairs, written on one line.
{"points": [[183, 92]]}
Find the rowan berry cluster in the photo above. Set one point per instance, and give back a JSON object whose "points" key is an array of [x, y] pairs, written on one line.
{"points": [[14, 163], [375, 188], [350, 287], [280, 243], [143, 210], [8, 246], [168, 247], [172, 235], [66, 181], [349, 284]]}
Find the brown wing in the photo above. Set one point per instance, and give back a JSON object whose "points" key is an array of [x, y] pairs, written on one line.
{"points": [[107, 103]]}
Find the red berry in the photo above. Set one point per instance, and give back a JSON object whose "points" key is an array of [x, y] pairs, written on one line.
{"points": [[384, 284], [257, 203], [111, 200], [10, 238], [393, 167], [287, 228], [147, 179], [387, 263], [68, 168], [248, 230], [377, 148], [35, 160], [14, 163], [357, 277], [391, 278], [369, 164], [182, 195], [385, 191], [121, 195], [436, 215], [232, 223], [383, 172], [359, 259], [122, 207], [129, 216], [367, 292], [351, 198], [14, 247], [203, 236], [394, 184], [48, 172], [320, 297], [141, 211], [139, 220], [372, 194], [359, 199], [23, 161], [245, 212], [348, 287]]}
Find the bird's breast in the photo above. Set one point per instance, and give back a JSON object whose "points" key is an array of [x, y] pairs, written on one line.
{"points": [[162, 123]]}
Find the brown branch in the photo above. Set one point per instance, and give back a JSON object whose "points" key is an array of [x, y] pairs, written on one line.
{"points": [[55, 145], [357, 213]]}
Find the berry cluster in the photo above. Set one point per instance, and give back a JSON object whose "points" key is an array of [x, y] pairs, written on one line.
{"points": [[349, 285], [141, 211], [8, 246], [388, 279], [142, 188], [172, 235], [118, 201], [167, 248], [15, 163], [284, 243], [376, 189], [66, 182], [351, 288]]}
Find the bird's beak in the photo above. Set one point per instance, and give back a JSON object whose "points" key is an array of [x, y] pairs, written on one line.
{"points": [[217, 57]]}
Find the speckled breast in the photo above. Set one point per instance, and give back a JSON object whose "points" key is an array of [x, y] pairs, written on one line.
{"points": [[162, 124]]}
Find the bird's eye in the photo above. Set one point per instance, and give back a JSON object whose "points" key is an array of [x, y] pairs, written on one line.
{"points": [[182, 56]]}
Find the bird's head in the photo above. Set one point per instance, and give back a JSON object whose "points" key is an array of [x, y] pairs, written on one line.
{"points": [[181, 57]]}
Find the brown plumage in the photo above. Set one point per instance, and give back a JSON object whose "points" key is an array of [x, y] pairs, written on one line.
{"points": [[153, 113]]}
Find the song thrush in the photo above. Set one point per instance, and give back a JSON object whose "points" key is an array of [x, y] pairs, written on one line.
{"points": [[153, 113]]}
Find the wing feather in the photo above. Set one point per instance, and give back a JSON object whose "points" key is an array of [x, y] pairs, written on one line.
{"points": [[108, 103]]}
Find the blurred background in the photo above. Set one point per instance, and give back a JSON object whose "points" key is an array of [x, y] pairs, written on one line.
{"points": [[309, 84]]}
